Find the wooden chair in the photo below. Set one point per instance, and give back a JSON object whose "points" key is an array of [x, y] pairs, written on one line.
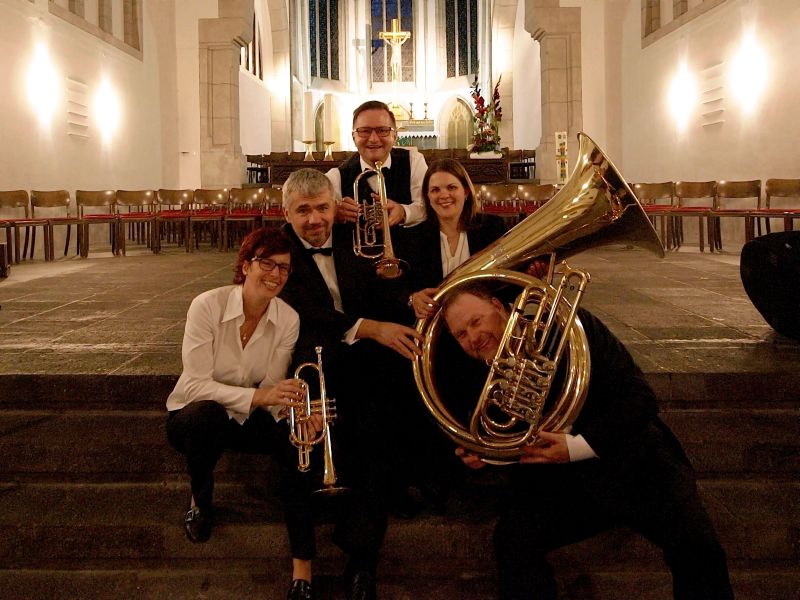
{"points": [[273, 206], [695, 199], [500, 199], [136, 210], [245, 214], [209, 207], [658, 199], [17, 202], [783, 192], [172, 218], [87, 202], [532, 196], [736, 199], [55, 207]]}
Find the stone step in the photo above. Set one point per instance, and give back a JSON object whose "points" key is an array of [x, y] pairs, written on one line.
{"points": [[58, 389], [120, 446], [88, 526], [230, 583]]}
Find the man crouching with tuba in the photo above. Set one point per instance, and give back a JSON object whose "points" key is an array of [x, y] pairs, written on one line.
{"points": [[620, 466]]}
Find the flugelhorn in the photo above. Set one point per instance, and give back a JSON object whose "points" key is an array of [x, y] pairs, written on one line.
{"points": [[372, 238], [519, 399], [301, 432]]}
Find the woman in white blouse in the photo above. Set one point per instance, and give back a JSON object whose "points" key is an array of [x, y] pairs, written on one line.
{"points": [[237, 347], [454, 230]]}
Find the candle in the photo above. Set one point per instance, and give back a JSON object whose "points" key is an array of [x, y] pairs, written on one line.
{"points": [[308, 117], [328, 118]]}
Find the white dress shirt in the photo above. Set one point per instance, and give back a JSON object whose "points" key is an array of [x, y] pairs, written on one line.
{"points": [[415, 212], [451, 261], [216, 367]]}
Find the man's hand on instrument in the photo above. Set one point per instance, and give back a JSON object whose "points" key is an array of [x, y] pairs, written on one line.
{"points": [[549, 448], [288, 392], [347, 211], [399, 338], [538, 268], [397, 214], [473, 461], [423, 303]]}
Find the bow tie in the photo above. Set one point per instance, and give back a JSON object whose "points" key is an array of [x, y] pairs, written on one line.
{"points": [[323, 251]]}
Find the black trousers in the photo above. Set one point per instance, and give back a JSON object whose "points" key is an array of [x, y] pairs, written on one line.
{"points": [[202, 432], [654, 494]]}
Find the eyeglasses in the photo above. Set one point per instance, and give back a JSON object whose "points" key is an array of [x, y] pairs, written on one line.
{"points": [[365, 132], [268, 265]]}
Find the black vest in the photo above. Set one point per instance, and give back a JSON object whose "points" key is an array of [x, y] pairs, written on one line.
{"points": [[398, 178]]}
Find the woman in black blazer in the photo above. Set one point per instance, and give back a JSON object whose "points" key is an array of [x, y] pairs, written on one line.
{"points": [[453, 231]]}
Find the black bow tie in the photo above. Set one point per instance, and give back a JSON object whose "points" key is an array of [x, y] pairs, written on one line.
{"points": [[323, 251]]}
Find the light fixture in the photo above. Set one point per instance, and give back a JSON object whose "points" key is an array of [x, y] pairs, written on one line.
{"points": [[747, 75], [682, 96], [44, 91], [106, 110]]}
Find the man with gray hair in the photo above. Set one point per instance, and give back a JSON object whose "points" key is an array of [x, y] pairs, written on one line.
{"points": [[338, 297]]}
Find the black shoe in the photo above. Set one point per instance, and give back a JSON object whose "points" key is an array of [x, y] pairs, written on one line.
{"points": [[197, 524], [300, 590], [360, 585]]}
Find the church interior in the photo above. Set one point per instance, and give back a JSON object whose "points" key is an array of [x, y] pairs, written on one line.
{"points": [[143, 109]]}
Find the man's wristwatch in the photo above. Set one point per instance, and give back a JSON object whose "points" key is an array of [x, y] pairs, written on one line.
{"points": [[410, 302]]}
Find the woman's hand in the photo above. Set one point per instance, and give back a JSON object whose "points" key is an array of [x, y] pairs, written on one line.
{"points": [[423, 303], [288, 392]]}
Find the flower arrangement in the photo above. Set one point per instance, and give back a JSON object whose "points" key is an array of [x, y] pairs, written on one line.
{"points": [[486, 134]]}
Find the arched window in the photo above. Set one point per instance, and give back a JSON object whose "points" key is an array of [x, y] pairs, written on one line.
{"points": [[383, 11], [461, 33], [459, 125], [323, 38]]}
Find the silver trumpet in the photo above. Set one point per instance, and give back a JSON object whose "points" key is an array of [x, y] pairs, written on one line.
{"points": [[372, 238], [300, 429]]}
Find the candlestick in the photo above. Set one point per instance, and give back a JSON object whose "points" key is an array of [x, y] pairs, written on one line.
{"points": [[327, 110], [309, 154], [329, 150]]}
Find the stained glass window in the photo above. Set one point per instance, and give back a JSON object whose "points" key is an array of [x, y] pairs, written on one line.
{"points": [[382, 13], [323, 38], [461, 36]]}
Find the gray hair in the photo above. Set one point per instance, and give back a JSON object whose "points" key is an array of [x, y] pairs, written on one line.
{"points": [[305, 182]]}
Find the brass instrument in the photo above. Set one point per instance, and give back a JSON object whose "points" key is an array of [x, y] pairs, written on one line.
{"points": [[299, 427], [595, 207], [372, 237]]}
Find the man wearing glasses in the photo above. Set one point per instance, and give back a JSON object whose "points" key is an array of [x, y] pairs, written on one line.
{"points": [[375, 134]]}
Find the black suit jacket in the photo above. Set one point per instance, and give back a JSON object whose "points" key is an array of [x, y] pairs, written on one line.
{"points": [[420, 247]]}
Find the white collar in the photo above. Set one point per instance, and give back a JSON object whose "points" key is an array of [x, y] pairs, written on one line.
{"points": [[234, 308], [328, 243], [367, 166]]}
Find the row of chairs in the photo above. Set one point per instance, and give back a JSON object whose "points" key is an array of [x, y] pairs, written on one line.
{"points": [[429, 154], [710, 201], [668, 202], [148, 216]]}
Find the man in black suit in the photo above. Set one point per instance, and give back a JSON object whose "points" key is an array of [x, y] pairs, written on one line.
{"points": [[338, 299], [375, 134], [619, 466]]}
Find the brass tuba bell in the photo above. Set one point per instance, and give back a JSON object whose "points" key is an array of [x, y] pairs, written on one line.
{"points": [[595, 207]]}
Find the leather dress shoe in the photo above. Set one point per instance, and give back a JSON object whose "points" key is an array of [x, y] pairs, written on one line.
{"points": [[403, 505], [361, 585], [436, 495], [300, 590], [197, 524]]}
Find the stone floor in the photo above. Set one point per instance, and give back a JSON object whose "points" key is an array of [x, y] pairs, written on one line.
{"points": [[686, 313]]}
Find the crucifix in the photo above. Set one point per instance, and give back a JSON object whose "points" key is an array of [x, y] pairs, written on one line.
{"points": [[395, 38]]}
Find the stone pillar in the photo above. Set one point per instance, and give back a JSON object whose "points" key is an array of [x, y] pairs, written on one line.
{"points": [[558, 31], [222, 163]]}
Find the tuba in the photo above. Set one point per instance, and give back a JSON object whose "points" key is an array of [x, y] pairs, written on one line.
{"points": [[372, 238], [539, 377], [299, 427]]}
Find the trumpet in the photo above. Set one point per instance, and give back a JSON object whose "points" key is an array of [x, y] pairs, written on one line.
{"points": [[300, 427], [372, 238]]}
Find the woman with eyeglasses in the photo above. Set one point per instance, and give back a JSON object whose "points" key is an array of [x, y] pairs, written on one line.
{"points": [[237, 347]]}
